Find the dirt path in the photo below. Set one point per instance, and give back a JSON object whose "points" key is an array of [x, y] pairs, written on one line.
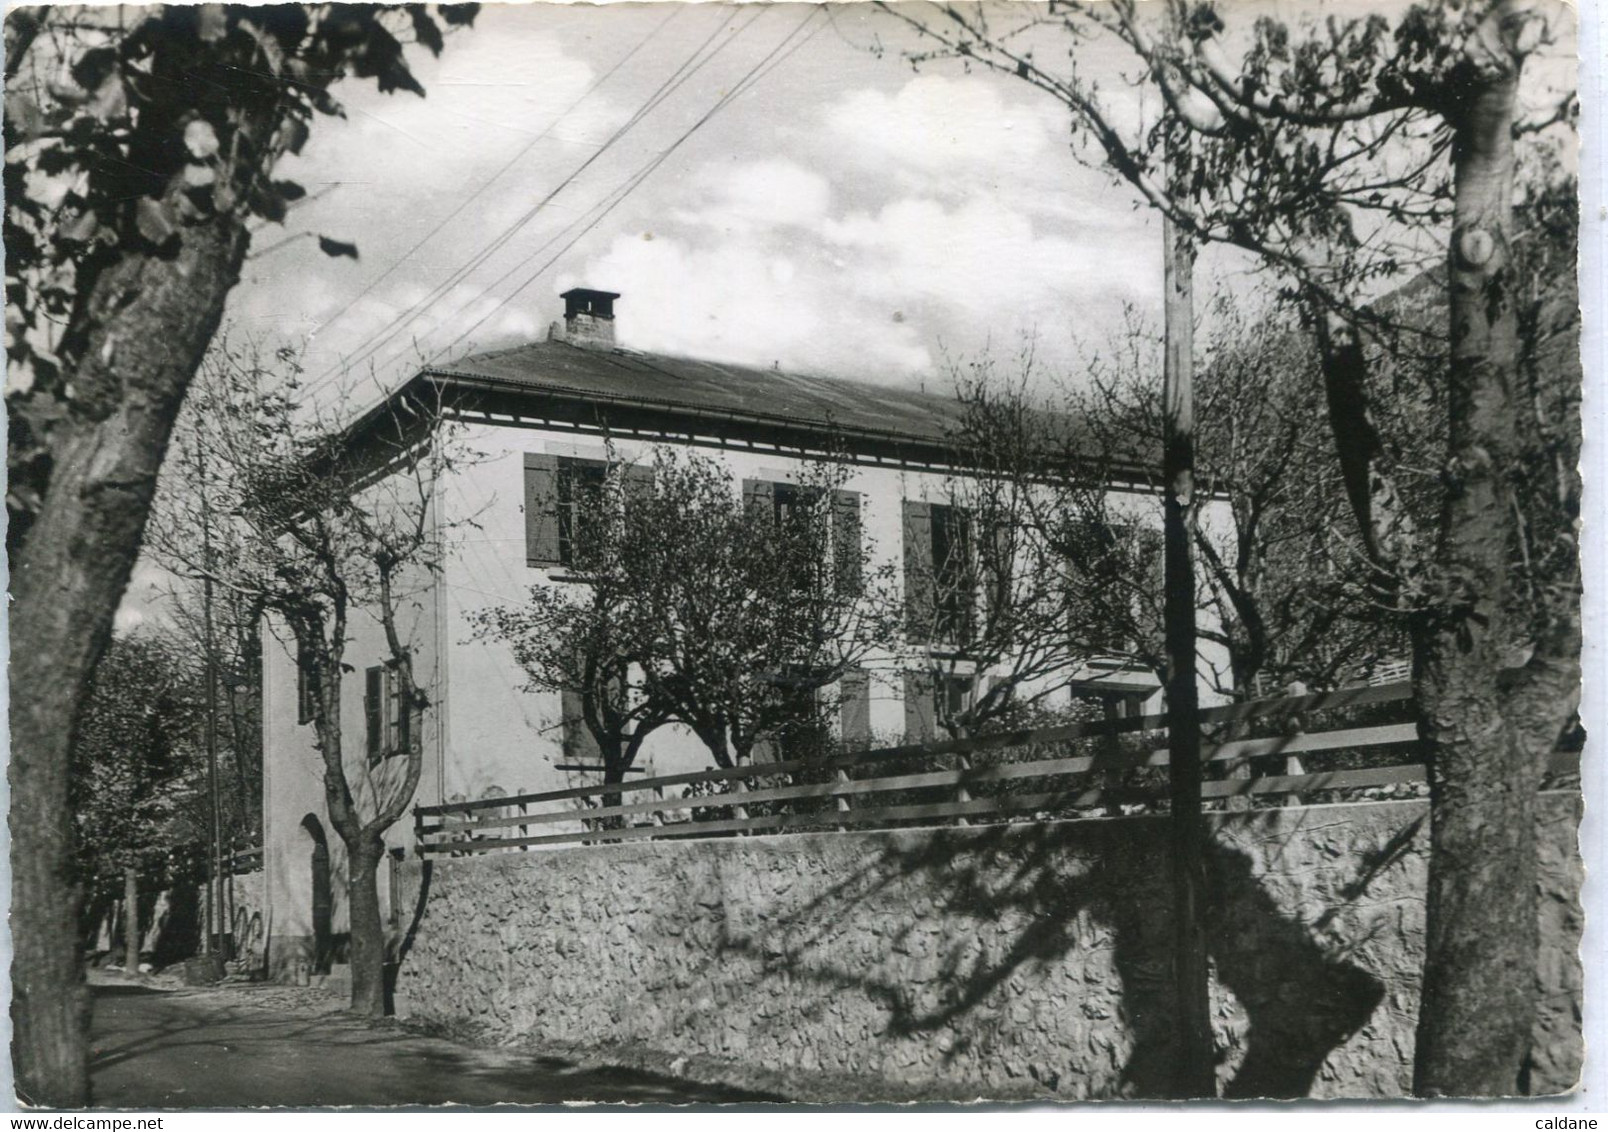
{"points": [[246, 1047]]}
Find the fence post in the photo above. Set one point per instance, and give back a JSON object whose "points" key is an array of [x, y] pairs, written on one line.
{"points": [[961, 793], [842, 800], [740, 786], [131, 922]]}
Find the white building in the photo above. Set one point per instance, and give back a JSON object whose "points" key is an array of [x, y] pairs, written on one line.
{"points": [[539, 413]]}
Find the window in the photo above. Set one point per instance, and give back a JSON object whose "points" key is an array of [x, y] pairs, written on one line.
{"points": [[560, 498], [940, 572], [854, 708], [385, 712], [306, 706], [794, 508], [804, 730], [580, 487], [933, 698], [1109, 566], [794, 511], [580, 745]]}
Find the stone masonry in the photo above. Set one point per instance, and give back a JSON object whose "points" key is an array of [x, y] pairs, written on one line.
{"points": [[1027, 959]]}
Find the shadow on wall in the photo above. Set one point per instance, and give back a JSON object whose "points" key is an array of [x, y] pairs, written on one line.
{"points": [[170, 925], [323, 896], [1069, 887], [398, 947], [180, 936]]}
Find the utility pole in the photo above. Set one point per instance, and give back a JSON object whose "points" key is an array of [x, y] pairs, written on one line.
{"points": [[216, 917], [1196, 1074]]}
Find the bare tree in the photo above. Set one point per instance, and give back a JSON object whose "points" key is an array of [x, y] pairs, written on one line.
{"points": [[1284, 585], [236, 644], [317, 527], [1023, 572], [140, 145], [1325, 149]]}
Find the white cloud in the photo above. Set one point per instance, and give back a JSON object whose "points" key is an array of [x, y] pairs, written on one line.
{"points": [[399, 166], [935, 125], [865, 293], [771, 192], [744, 300], [880, 218]]}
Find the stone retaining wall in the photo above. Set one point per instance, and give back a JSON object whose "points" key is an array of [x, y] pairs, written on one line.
{"points": [[1021, 959]]}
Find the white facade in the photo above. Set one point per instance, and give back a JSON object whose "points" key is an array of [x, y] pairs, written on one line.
{"points": [[484, 735]]}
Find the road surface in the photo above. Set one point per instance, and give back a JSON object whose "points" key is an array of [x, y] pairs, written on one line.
{"points": [[239, 1048]]}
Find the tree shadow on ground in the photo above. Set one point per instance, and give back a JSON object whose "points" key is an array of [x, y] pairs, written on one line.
{"points": [[1054, 888], [119, 990], [335, 1059]]}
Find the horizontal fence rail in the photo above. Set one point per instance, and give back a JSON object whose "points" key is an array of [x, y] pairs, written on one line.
{"points": [[1109, 767], [245, 860]]}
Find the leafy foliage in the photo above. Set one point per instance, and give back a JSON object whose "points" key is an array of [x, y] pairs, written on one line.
{"points": [[139, 785], [692, 605], [126, 127]]}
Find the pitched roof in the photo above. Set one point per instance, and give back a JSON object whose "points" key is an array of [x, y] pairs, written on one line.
{"points": [[631, 391], [641, 380]]}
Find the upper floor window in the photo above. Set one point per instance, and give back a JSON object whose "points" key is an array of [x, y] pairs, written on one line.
{"points": [[834, 545], [1111, 566], [940, 572], [561, 505], [305, 689]]}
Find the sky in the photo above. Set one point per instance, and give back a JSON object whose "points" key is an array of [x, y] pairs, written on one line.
{"points": [[843, 214], [799, 196]]}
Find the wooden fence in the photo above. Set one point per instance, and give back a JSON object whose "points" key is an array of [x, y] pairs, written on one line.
{"points": [[1073, 770], [244, 860]]}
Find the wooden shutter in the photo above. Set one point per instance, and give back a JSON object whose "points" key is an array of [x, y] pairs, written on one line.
{"points": [[373, 705], [541, 510], [580, 745], [997, 566], [388, 714], [846, 540], [918, 705], [638, 481], [396, 712], [759, 497], [918, 570], [855, 709], [304, 684]]}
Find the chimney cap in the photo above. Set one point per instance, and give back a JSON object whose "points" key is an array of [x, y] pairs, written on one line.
{"points": [[584, 300]]}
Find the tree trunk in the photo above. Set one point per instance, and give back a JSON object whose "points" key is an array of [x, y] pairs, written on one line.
{"points": [[149, 322], [368, 928], [1195, 1074], [1478, 1004], [131, 922], [614, 767]]}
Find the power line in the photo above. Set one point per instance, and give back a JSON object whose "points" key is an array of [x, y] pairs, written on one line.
{"points": [[681, 75], [755, 75], [509, 164]]}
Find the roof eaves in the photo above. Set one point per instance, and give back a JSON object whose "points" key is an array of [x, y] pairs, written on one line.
{"points": [[575, 393]]}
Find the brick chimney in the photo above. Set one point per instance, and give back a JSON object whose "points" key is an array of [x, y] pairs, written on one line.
{"points": [[588, 319]]}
